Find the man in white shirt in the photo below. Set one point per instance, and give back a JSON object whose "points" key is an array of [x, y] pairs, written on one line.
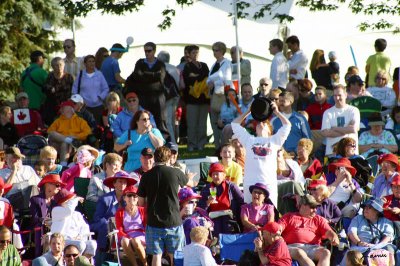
{"points": [[279, 68], [298, 60], [22, 177], [339, 121], [73, 64]]}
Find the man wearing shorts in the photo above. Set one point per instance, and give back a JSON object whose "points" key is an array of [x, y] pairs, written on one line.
{"points": [[303, 232], [158, 189]]}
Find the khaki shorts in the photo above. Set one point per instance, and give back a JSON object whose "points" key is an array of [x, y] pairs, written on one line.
{"points": [[308, 249]]}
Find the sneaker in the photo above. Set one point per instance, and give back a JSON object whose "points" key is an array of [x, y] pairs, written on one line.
{"points": [[76, 143]]}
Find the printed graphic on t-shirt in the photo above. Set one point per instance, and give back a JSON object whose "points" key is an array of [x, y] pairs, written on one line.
{"points": [[340, 121], [260, 150]]}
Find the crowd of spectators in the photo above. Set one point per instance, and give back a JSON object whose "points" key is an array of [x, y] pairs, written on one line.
{"points": [[295, 173]]}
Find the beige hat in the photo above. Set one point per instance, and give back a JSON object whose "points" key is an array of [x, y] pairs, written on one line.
{"points": [[14, 151]]}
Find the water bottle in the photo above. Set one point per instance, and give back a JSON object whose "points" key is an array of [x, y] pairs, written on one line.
{"points": [[343, 243]]}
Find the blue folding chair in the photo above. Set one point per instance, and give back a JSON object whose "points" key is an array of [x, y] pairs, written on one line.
{"points": [[233, 245]]}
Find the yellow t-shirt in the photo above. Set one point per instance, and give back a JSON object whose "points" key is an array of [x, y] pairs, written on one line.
{"points": [[234, 173]]}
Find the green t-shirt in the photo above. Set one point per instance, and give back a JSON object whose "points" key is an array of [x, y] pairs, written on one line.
{"points": [[32, 82], [10, 257]]}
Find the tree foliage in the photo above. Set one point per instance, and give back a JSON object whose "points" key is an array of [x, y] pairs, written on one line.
{"points": [[377, 10], [21, 32]]}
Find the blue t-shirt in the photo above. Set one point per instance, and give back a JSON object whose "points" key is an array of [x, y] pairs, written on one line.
{"points": [[109, 68], [139, 142]]}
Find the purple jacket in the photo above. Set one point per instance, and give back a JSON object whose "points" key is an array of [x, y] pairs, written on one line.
{"points": [[329, 210]]}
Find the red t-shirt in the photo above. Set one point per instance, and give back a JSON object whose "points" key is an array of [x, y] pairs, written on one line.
{"points": [[277, 254], [303, 230], [391, 202]]}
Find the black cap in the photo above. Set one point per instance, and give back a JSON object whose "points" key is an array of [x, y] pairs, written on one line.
{"points": [[35, 56], [356, 79], [172, 146], [147, 152]]}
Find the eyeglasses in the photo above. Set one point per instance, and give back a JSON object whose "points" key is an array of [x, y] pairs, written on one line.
{"points": [[258, 192], [193, 202], [263, 84], [131, 196], [145, 119], [132, 100], [351, 145], [67, 47], [148, 51], [71, 255], [5, 241]]}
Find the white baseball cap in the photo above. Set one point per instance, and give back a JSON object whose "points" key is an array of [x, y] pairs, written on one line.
{"points": [[77, 98]]}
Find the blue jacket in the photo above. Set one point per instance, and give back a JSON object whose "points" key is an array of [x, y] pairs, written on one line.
{"points": [[106, 208], [300, 129], [123, 122]]}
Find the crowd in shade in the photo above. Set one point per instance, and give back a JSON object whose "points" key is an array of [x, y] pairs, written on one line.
{"points": [[307, 167]]}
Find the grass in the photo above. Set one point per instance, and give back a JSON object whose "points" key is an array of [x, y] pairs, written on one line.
{"points": [[209, 150]]}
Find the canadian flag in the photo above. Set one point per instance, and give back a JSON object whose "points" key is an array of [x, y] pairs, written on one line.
{"points": [[22, 116]]}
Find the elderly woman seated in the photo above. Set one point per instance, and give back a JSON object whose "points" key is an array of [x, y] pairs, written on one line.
{"points": [[222, 199], [310, 166], [389, 169], [345, 191], [370, 228], [71, 224], [327, 208], [259, 212], [67, 130], [391, 206], [192, 215], [376, 141]]}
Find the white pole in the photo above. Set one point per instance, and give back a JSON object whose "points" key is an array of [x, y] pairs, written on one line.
{"points": [[235, 21]]}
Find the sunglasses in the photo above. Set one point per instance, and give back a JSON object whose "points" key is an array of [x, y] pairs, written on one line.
{"points": [[263, 84], [148, 51], [131, 196], [174, 152], [5, 241], [71, 255], [56, 185], [274, 99], [67, 47], [132, 100], [312, 189]]}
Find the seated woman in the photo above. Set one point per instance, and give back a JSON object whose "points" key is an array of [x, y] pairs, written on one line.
{"points": [[55, 255], [48, 155], [310, 167], [85, 156], [112, 163], [222, 199], [71, 224], [389, 169], [67, 130], [371, 228], [40, 207], [228, 109], [196, 253], [391, 203], [256, 214], [345, 190], [327, 208], [141, 135], [131, 223], [376, 141], [346, 148], [290, 181], [383, 93], [191, 215]]}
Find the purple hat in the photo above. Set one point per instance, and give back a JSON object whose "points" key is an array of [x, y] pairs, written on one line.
{"points": [[260, 186], [109, 181], [186, 194]]}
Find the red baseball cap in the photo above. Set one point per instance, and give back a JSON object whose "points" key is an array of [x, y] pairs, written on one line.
{"points": [[216, 167], [272, 227]]}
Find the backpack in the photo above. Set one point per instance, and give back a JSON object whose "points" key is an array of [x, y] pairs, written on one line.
{"points": [[170, 87]]}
